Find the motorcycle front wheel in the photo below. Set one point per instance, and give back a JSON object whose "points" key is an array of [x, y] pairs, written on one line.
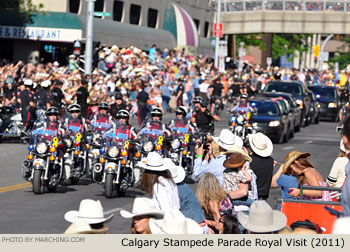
{"points": [[38, 187], [109, 186]]}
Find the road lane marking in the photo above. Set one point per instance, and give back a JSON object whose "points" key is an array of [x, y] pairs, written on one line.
{"points": [[308, 142], [15, 187], [287, 148], [112, 211]]}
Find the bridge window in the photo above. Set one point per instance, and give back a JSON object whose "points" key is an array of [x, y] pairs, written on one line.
{"points": [[334, 6], [254, 5], [74, 6], [294, 6], [152, 18], [118, 10], [99, 4], [274, 5], [206, 29], [234, 6], [135, 13], [314, 6], [196, 21]]}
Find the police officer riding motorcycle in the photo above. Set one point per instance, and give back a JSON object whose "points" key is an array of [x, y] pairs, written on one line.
{"points": [[44, 165], [76, 155], [115, 169], [181, 147]]}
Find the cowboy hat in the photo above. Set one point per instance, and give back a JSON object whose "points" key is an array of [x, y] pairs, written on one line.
{"points": [[292, 156], [236, 158], [341, 226], [143, 206], [89, 210], [28, 82], [261, 218], [154, 162], [174, 222], [45, 83], [260, 144], [82, 227], [227, 139], [177, 172]]}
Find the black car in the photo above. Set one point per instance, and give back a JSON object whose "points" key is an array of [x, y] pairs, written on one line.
{"points": [[270, 119], [329, 101], [293, 107], [299, 90], [315, 109]]}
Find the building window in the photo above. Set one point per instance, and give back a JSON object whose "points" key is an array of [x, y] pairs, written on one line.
{"points": [[135, 13], [99, 4], [152, 18], [196, 21], [118, 10], [206, 29], [74, 6]]}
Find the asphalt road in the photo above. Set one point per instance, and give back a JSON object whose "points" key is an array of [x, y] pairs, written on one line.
{"points": [[22, 212]]}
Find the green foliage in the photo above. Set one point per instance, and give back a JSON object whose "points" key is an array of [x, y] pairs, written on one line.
{"points": [[21, 6], [343, 53], [288, 44], [250, 40]]}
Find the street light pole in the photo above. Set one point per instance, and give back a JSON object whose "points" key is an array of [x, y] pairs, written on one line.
{"points": [[89, 35], [320, 61], [218, 14]]}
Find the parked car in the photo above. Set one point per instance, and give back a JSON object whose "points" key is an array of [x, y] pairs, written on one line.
{"points": [[293, 106], [270, 119], [329, 101], [299, 90], [314, 109]]}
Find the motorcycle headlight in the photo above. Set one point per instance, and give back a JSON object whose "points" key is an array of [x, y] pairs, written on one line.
{"points": [[239, 129], [332, 105], [175, 144], [240, 119], [41, 148], [255, 125], [68, 143], [113, 151], [274, 123], [148, 146]]}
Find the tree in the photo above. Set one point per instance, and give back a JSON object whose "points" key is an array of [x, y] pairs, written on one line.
{"points": [[342, 56], [21, 6], [288, 44], [250, 40]]}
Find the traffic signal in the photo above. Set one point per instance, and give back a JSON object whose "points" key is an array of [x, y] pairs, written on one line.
{"points": [[316, 50]]}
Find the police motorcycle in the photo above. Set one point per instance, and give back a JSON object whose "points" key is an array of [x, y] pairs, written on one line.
{"points": [[179, 150], [10, 122], [43, 166], [76, 149], [115, 167]]}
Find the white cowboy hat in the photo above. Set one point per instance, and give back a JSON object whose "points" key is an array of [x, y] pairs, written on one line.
{"points": [[261, 218], [174, 222], [45, 83], [177, 172], [56, 63], [341, 226], [260, 144], [227, 139], [89, 210], [154, 162], [143, 206], [82, 227], [28, 82]]}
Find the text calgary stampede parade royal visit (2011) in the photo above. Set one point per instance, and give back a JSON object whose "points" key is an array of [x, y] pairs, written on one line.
{"points": [[244, 242]]}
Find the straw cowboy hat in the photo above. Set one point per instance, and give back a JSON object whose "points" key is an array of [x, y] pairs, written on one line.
{"points": [[89, 210], [82, 227], [236, 157], [227, 139], [261, 218], [260, 144], [154, 162], [174, 222], [177, 172], [292, 156], [143, 206]]}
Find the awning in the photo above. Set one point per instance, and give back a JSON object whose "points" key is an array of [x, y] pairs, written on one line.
{"points": [[51, 26], [181, 25]]}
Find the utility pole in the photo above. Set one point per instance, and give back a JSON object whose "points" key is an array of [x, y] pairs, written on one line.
{"points": [[218, 14], [89, 35]]}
